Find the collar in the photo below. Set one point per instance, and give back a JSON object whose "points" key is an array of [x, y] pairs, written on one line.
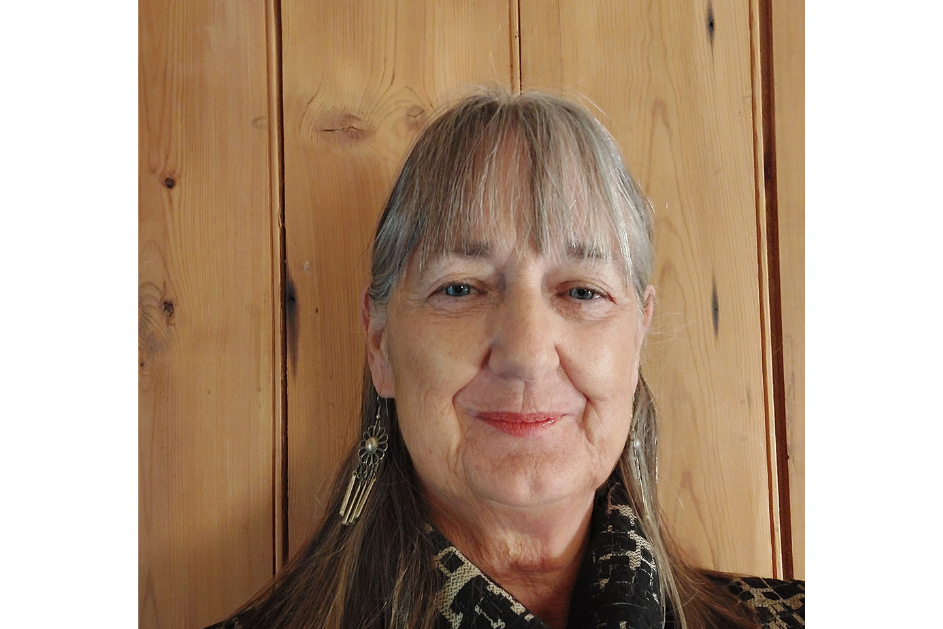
{"points": [[617, 585]]}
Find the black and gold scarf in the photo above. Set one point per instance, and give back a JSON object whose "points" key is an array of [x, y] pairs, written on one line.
{"points": [[617, 586]]}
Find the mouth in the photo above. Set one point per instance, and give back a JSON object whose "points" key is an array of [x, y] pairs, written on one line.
{"points": [[518, 424]]}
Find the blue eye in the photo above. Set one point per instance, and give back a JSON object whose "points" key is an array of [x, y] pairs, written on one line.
{"points": [[582, 293], [458, 290]]}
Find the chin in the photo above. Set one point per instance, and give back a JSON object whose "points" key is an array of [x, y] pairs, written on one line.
{"points": [[524, 481]]}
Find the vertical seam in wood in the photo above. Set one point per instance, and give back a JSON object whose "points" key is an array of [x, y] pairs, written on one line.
{"points": [[766, 311], [775, 292], [277, 182], [517, 73]]}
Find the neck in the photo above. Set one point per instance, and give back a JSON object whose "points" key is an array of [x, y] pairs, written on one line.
{"points": [[535, 554]]}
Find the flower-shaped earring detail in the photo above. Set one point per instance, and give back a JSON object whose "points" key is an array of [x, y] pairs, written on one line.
{"points": [[373, 446]]}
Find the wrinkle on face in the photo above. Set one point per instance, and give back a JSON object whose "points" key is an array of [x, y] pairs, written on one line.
{"points": [[452, 359]]}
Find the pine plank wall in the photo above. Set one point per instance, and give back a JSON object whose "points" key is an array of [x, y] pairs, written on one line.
{"points": [[270, 132]]}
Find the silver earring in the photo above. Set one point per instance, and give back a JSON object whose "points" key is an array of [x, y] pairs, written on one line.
{"points": [[373, 446], [636, 459]]}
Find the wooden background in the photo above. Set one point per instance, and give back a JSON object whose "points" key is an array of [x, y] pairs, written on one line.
{"points": [[269, 135]]}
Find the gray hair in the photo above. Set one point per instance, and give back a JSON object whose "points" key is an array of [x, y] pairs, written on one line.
{"points": [[545, 160], [555, 171], [549, 166]]}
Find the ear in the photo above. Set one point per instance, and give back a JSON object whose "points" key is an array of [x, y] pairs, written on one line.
{"points": [[374, 326]]}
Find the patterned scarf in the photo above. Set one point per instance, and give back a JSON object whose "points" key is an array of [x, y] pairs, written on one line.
{"points": [[616, 588], [617, 585]]}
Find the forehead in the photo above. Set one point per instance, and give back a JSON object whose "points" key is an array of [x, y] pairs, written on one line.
{"points": [[515, 228]]}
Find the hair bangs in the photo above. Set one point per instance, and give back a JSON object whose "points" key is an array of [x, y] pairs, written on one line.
{"points": [[536, 166]]}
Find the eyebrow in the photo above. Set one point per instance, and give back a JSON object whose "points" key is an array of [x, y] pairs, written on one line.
{"points": [[575, 251], [582, 251], [473, 249]]}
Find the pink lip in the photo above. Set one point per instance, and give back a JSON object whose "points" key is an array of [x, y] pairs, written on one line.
{"points": [[518, 424]]}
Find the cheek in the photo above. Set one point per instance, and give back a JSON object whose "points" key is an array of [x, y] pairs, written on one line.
{"points": [[603, 366], [431, 362], [603, 363]]}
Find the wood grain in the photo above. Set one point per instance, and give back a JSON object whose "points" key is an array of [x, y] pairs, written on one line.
{"points": [[768, 276], [672, 81], [360, 80], [208, 341], [788, 54]]}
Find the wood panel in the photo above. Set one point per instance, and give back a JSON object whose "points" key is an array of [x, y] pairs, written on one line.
{"points": [[208, 331], [788, 55], [360, 80], [672, 81]]}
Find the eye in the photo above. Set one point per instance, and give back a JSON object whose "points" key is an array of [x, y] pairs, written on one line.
{"points": [[458, 290], [583, 293]]}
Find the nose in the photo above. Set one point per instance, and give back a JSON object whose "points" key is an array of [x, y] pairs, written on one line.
{"points": [[525, 336]]}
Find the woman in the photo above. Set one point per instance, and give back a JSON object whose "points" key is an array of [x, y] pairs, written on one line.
{"points": [[506, 476]]}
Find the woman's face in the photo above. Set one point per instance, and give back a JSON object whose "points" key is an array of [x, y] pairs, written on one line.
{"points": [[513, 374]]}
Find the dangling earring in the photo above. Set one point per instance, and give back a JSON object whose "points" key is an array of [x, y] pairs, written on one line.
{"points": [[373, 446], [636, 446]]}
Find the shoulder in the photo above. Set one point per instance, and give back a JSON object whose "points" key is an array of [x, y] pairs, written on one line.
{"points": [[778, 604]]}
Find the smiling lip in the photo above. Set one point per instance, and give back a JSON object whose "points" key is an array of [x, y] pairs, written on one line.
{"points": [[519, 424]]}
